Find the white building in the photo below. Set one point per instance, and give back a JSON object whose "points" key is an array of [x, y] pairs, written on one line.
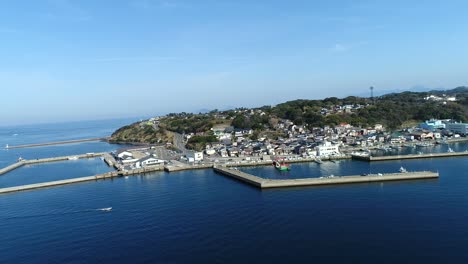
{"points": [[124, 155], [196, 156], [148, 161], [327, 149], [459, 128]]}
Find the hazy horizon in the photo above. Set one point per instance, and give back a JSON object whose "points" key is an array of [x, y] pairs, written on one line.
{"points": [[66, 60]]}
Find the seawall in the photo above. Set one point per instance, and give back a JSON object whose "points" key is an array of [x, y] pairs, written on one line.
{"points": [[103, 176], [57, 143], [411, 156], [270, 183], [47, 160]]}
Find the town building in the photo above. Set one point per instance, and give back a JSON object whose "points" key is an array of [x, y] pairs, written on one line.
{"points": [[148, 161], [459, 128], [432, 125], [327, 149]]}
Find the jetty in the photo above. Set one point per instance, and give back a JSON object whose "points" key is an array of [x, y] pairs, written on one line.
{"points": [[103, 176], [47, 160], [410, 156], [263, 183], [56, 143]]}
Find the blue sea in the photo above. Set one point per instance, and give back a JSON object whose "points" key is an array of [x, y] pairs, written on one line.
{"points": [[202, 217]]}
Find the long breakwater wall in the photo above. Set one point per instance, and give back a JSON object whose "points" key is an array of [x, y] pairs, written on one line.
{"points": [[103, 176], [47, 160], [270, 183], [411, 156], [56, 143]]}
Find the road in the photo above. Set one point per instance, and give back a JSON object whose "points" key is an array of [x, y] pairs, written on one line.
{"points": [[179, 143]]}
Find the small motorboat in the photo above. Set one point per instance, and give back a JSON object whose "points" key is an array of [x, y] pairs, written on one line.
{"points": [[106, 209]]}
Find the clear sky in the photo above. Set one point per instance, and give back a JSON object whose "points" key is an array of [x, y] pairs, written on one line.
{"points": [[92, 59]]}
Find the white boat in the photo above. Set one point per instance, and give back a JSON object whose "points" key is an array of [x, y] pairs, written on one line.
{"points": [[424, 144], [403, 170], [450, 150], [73, 158]]}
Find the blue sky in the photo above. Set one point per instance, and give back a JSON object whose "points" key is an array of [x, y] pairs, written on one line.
{"points": [[79, 60]]}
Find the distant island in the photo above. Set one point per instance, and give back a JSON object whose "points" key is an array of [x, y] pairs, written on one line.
{"points": [[391, 112]]}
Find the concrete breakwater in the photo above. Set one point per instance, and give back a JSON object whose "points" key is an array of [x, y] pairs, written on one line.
{"points": [[57, 183], [169, 168], [47, 160], [270, 183], [56, 143], [103, 176], [411, 156]]}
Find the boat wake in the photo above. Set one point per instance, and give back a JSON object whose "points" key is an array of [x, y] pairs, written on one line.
{"points": [[105, 209]]}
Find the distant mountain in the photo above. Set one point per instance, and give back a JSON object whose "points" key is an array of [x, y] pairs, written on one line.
{"points": [[207, 110], [378, 92], [455, 91]]}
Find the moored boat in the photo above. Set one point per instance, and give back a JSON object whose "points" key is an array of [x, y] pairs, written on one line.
{"points": [[281, 165]]}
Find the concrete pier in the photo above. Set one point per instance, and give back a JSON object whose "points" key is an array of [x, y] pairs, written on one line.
{"points": [[11, 167], [47, 160], [57, 143], [169, 168], [109, 160], [270, 183], [103, 176], [411, 156]]}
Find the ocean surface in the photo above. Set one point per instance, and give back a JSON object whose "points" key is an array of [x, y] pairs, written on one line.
{"points": [[203, 217]]}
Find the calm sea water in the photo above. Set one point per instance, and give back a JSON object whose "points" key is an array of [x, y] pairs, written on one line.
{"points": [[202, 217]]}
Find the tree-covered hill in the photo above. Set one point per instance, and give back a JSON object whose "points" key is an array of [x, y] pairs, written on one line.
{"points": [[391, 110]]}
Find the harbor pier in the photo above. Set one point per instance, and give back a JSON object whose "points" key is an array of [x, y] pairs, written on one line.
{"points": [[272, 183], [410, 156], [56, 143], [47, 160], [103, 176]]}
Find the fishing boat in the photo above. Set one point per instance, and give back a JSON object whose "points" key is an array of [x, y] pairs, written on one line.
{"points": [[281, 165]]}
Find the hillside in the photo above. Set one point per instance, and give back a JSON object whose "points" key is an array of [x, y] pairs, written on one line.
{"points": [[391, 110]]}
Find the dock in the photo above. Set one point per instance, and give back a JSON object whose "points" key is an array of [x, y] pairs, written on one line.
{"points": [[263, 183], [56, 143], [411, 156]]}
